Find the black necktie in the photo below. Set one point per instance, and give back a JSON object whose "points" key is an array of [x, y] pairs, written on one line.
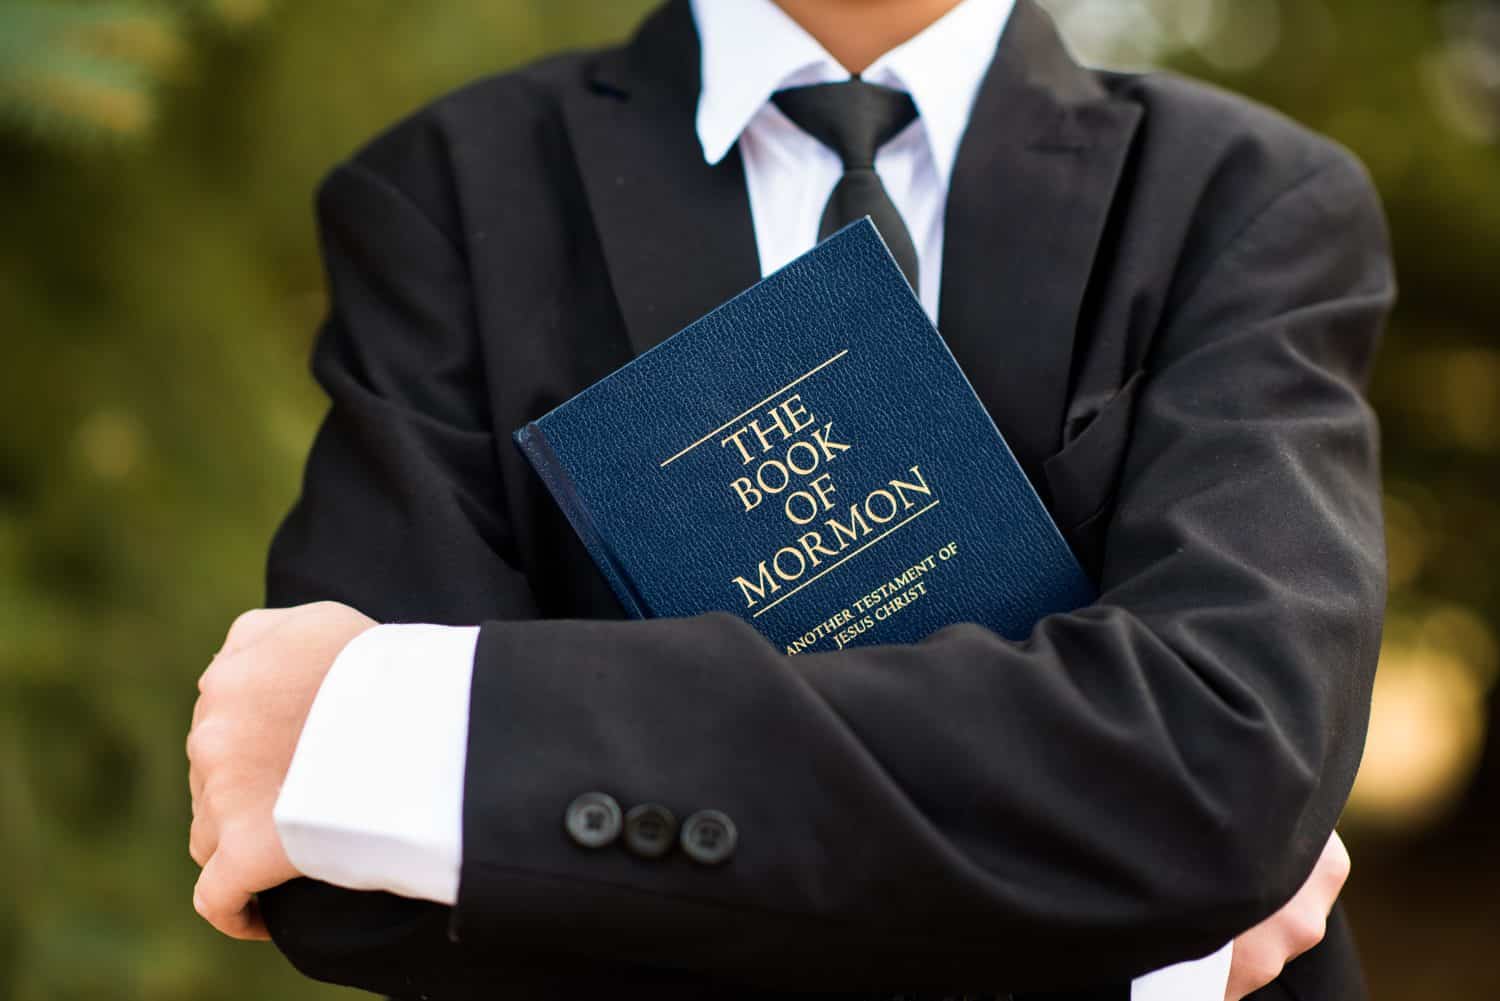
{"points": [[854, 119]]}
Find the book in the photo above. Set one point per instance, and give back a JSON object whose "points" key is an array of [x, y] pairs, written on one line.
{"points": [[808, 456]]}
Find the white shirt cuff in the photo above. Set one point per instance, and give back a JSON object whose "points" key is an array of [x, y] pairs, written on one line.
{"points": [[1203, 979], [373, 799]]}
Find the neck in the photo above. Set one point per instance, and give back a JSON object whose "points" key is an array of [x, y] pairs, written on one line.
{"points": [[858, 32]]}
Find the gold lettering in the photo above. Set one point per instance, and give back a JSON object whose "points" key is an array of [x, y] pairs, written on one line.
{"points": [[795, 409], [855, 519], [812, 544], [812, 455], [823, 486], [765, 583], [825, 442], [809, 500], [744, 452], [765, 435], [760, 476], [870, 510], [743, 487], [801, 563], [920, 487]]}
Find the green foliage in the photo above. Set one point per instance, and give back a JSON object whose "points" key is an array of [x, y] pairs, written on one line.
{"points": [[77, 70], [157, 300]]}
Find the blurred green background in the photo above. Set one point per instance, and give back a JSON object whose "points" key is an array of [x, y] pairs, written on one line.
{"points": [[159, 287]]}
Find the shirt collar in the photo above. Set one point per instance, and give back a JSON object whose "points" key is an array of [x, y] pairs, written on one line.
{"points": [[752, 48]]}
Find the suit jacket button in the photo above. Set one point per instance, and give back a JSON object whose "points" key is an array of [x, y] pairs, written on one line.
{"points": [[709, 837], [593, 820], [650, 830]]}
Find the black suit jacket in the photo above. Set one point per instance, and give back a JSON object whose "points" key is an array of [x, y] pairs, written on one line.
{"points": [[1167, 298]]}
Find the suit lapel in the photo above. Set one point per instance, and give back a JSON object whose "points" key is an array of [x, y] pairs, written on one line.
{"points": [[1030, 195], [677, 233], [1031, 190]]}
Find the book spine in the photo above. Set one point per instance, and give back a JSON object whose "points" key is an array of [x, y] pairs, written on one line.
{"points": [[538, 451]]}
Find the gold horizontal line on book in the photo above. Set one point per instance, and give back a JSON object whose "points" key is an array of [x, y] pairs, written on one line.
{"points": [[834, 566], [752, 407]]}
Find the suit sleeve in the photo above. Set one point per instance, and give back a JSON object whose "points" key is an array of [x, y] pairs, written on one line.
{"points": [[1131, 786], [400, 502], [403, 515]]}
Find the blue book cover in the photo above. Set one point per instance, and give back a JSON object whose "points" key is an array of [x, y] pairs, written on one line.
{"points": [[808, 456]]}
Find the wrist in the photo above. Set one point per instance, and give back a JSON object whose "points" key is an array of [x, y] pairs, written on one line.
{"points": [[373, 798]]}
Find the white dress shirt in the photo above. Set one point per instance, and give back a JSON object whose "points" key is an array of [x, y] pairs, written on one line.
{"points": [[374, 796], [789, 174]]}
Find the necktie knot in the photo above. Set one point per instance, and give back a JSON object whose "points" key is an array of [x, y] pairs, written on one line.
{"points": [[853, 118]]}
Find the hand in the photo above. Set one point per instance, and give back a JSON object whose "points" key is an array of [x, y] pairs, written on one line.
{"points": [[1261, 953], [253, 700]]}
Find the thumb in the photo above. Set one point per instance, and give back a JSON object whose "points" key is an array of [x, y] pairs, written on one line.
{"points": [[220, 899], [1333, 867]]}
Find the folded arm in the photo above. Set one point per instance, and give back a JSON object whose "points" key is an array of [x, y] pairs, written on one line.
{"points": [[1136, 783]]}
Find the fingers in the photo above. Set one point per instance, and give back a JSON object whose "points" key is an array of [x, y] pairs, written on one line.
{"points": [[203, 835], [258, 932], [1334, 866], [252, 702], [1336, 843], [219, 898], [233, 866], [206, 749], [1254, 965], [195, 786], [1261, 953], [1304, 920], [203, 838], [1303, 927], [1314, 902]]}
